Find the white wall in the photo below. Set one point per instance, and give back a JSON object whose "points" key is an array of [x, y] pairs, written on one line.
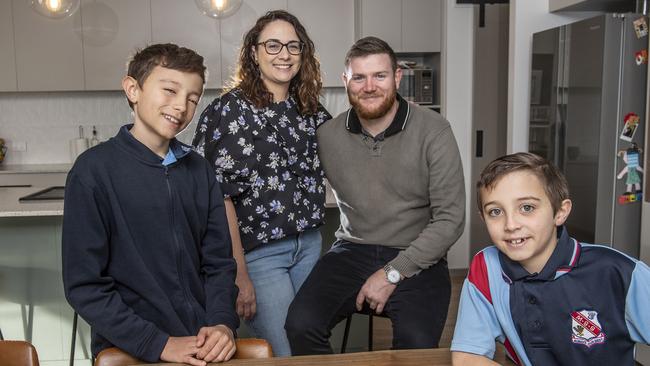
{"points": [[45, 122], [458, 43], [527, 17]]}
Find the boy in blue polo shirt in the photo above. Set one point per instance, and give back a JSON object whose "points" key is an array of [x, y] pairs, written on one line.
{"points": [[548, 298], [147, 260]]}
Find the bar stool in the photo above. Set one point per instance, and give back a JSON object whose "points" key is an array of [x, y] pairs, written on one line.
{"points": [[73, 340], [365, 311]]}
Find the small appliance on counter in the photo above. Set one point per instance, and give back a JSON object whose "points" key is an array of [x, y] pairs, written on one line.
{"points": [[3, 150], [78, 145]]}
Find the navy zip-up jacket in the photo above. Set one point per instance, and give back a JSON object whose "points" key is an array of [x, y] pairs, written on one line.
{"points": [[146, 247]]}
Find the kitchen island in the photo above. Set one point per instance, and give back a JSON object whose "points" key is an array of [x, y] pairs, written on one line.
{"points": [[32, 302]]}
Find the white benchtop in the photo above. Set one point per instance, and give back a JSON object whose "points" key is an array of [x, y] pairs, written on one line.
{"points": [[11, 207], [34, 168]]}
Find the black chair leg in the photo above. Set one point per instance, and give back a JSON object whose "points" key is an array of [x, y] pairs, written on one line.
{"points": [[370, 332], [344, 344], [2, 338], [74, 338]]}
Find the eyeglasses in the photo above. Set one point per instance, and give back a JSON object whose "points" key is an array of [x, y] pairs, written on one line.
{"points": [[273, 46]]}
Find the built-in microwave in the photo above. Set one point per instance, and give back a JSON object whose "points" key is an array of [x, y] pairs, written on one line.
{"points": [[417, 85]]}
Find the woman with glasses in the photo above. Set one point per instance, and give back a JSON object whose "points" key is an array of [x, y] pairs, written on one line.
{"points": [[261, 138]]}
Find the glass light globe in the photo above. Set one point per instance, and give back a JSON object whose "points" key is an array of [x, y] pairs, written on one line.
{"points": [[218, 9], [55, 8]]}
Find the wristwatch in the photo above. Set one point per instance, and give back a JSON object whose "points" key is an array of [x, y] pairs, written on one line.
{"points": [[392, 275]]}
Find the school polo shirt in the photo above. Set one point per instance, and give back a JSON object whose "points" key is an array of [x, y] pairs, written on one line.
{"points": [[584, 308]]}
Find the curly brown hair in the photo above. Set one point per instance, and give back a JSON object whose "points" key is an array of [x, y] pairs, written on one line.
{"points": [[305, 87]]}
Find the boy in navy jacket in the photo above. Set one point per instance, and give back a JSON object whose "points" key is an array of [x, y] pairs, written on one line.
{"points": [[147, 259], [548, 298]]}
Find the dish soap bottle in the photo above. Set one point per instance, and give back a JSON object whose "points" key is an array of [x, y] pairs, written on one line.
{"points": [[94, 141]]}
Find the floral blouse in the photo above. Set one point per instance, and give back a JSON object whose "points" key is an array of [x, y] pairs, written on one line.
{"points": [[266, 161]]}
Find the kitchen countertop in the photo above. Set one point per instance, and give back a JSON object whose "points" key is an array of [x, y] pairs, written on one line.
{"points": [[34, 168], [11, 207]]}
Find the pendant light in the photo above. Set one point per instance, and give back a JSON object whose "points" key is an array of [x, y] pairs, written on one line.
{"points": [[218, 9], [55, 8]]}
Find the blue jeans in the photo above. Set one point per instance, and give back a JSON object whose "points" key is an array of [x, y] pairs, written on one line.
{"points": [[277, 270]]}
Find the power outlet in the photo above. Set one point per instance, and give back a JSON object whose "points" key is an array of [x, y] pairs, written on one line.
{"points": [[18, 146]]}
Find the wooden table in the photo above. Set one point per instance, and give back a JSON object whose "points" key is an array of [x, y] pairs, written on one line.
{"points": [[419, 357]]}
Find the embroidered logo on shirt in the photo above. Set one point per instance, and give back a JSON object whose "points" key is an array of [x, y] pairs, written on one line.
{"points": [[586, 328]]}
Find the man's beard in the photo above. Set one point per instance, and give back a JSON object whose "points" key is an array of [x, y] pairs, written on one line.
{"points": [[376, 112]]}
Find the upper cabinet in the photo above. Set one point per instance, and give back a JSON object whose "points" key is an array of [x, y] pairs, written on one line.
{"points": [[330, 24], [407, 25], [89, 49], [182, 23], [7, 55], [111, 32], [234, 28], [49, 52]]}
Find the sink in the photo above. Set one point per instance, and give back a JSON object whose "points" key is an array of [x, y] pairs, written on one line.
{"points": [[49, 193]]}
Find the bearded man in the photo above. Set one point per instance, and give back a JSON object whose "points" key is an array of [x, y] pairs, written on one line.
{"points": [[397, 177]]}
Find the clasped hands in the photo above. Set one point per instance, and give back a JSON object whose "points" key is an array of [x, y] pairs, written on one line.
{"points": [[211, 344]]}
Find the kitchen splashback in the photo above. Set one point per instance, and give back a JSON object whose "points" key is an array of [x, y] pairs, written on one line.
{"points": [[46, 122]]}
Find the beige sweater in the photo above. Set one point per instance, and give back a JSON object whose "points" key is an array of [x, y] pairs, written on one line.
{"points": [[406, 191]]}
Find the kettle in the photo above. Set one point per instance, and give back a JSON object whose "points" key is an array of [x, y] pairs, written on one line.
{"points": [[3, 150]]}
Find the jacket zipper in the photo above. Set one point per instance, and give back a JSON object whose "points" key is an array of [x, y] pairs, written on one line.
{"points": [[178, 245]]}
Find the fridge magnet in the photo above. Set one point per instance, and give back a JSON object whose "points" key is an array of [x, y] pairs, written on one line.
{"points": [[641, 57], [631, 121], [632, 169], [640, 27]]}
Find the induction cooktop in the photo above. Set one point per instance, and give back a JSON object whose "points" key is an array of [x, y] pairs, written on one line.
{"points": [[50, 193]]}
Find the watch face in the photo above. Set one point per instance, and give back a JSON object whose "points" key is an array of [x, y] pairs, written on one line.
{"points": [[393, 276]]}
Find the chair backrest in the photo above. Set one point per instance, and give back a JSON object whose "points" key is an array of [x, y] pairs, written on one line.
{"points": [[246, 348], [17, 353], [115, 357], [253, 348]]}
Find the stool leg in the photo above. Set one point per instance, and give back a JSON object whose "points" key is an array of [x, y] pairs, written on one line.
{"points": [[344, 344], [74, 337], [370, 332]]}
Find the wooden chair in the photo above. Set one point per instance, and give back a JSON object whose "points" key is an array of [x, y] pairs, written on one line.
{"points": [[17, 353], [246, 348]]}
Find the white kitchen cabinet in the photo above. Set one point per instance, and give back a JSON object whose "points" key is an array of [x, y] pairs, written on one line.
{"points": [[7, 54], [382, 19], [330, 24], [182, 23], [421, 25], [234, 28], [407, 25], [112, 31], [49, 52]]}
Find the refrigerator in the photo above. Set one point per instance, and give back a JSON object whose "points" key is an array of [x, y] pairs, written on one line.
{"points": [[587, 115]]}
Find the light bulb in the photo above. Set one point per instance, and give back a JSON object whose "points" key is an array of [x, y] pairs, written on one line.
{"points": [[218, 4], [53, 5], [218, 8], [55, 8]]}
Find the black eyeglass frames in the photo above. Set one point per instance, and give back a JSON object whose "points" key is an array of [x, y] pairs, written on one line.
{"points": [[273, 46]]}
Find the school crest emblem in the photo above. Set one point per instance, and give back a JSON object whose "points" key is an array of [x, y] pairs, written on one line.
{"points": [[586, 329]]}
